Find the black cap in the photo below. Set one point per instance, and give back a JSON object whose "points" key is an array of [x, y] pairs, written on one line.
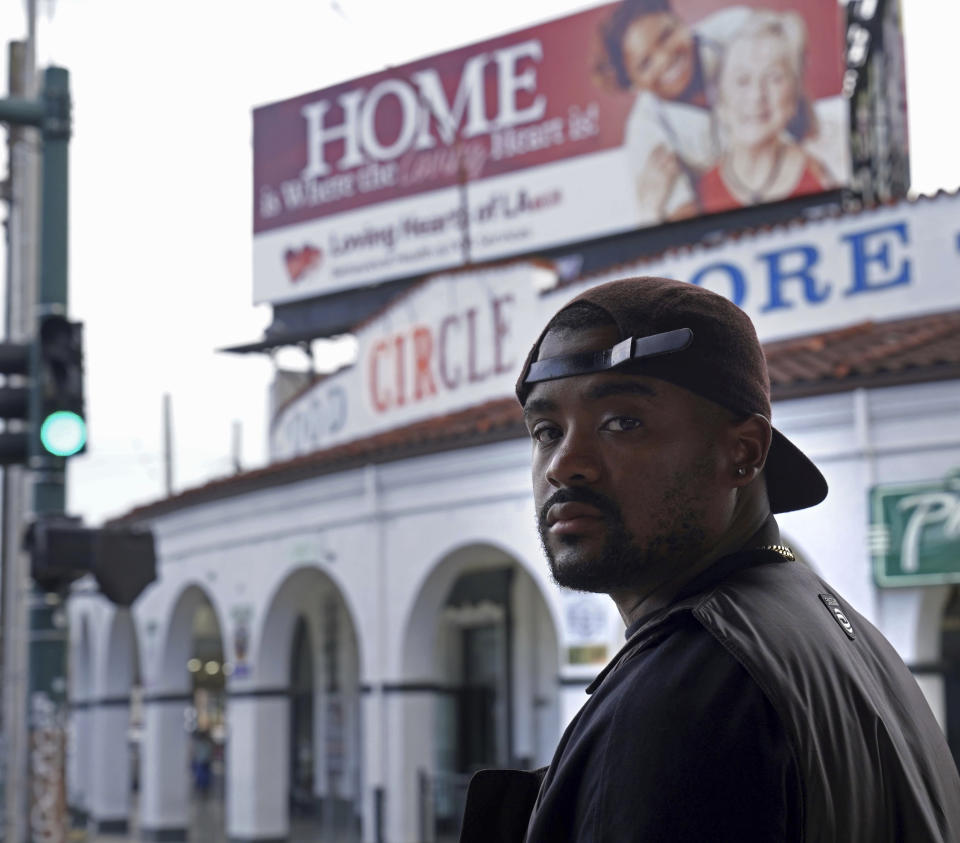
{"points": [[701, 341]]}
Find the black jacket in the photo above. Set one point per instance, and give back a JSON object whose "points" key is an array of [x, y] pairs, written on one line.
{"points": [[758, 707]]}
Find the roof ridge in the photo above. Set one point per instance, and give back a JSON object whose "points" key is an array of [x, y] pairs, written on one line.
{"points": [[924, 336]]}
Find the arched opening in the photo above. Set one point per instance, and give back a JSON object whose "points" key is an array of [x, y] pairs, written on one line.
{"points": [[309, 648], [950, 656], [475, 650], [481, 637], [206, 721], [183, 755], [302, 749]]}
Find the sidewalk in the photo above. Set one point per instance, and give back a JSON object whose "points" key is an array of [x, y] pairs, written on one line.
{"points": [[208, 825]]}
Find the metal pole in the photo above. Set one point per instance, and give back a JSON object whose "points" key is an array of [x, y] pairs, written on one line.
{"points": [[167, 445], [22, 256], [48, 625], [237, 447]]}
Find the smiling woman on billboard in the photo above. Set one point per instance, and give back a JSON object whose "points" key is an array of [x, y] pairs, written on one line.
{"points": [[762, 116], [675, 58]]}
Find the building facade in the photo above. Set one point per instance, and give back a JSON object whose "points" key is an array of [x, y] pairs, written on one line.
{"points": [[369, 618]]}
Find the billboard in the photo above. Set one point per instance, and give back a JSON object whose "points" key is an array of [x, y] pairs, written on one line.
{"points": [[623, 116]]}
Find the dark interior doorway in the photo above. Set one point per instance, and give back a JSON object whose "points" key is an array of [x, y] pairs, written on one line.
{"points": [[950, 650], [484, 692], [302, 799]]}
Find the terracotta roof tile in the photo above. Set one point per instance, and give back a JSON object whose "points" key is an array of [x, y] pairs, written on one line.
{"points": [[490, 422], [867, 354]]}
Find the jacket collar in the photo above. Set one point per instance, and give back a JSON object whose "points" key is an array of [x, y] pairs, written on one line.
{"points": [[691, 594]]}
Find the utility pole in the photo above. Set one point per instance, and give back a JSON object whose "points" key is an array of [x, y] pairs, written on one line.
{"points": [[22, 224], [45, 424], [47, 716], [47, 685], [167, 445], [236, 449]]}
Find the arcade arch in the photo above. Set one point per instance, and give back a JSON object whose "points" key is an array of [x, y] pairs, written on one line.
{"points": [[307, 662], [184, 735], [481, 657]]}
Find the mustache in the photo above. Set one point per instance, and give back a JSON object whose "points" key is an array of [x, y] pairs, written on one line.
{"points": [[580, 495]]}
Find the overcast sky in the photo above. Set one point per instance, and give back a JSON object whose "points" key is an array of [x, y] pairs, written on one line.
{"points": [[160, 245]]}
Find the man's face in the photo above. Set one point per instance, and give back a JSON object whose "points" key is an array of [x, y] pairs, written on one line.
{"points": [[658, 54], [628, 479]]}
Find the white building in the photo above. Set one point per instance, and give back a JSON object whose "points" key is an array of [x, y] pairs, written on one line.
{"points": [[379, 592]]}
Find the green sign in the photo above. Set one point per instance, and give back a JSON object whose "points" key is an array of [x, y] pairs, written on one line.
{"points": [[915, 532]]}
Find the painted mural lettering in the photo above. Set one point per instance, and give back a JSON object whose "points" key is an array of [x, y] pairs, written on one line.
{"points": [[928, 509], [418, 362], [310, 423], [423, 104]]}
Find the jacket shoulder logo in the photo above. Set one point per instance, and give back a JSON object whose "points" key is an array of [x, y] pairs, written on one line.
{"points": [[831, 603]]}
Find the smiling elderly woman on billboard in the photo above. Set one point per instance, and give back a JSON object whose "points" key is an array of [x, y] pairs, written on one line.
{"points": [[763, 116]]}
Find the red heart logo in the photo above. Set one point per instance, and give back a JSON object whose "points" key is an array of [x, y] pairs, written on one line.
{"points": [[301, 261]]}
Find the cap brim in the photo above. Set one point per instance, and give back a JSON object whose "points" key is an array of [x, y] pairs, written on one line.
{"points": [[793, 482]]}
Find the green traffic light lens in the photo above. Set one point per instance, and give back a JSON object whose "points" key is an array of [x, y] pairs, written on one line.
{"points": [[63, 433]]}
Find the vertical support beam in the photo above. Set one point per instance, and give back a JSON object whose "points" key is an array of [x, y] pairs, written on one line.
{"points": [[508, 636], [79, 754], [258, 768], [164, 783], [22, 256], [167, 445], [109, 794]]}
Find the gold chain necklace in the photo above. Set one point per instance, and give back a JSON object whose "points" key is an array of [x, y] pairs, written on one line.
{"points": [[782, 549]]}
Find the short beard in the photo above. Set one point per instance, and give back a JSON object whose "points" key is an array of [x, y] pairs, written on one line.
{"points": [[623, 563]]}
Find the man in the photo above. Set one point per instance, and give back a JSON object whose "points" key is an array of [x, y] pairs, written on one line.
{"points": [[750, 702]]}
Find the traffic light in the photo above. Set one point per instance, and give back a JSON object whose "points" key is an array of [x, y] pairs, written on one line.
{"points": [[61, 424], [49, 404], [14, 404], [122, 559]]}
